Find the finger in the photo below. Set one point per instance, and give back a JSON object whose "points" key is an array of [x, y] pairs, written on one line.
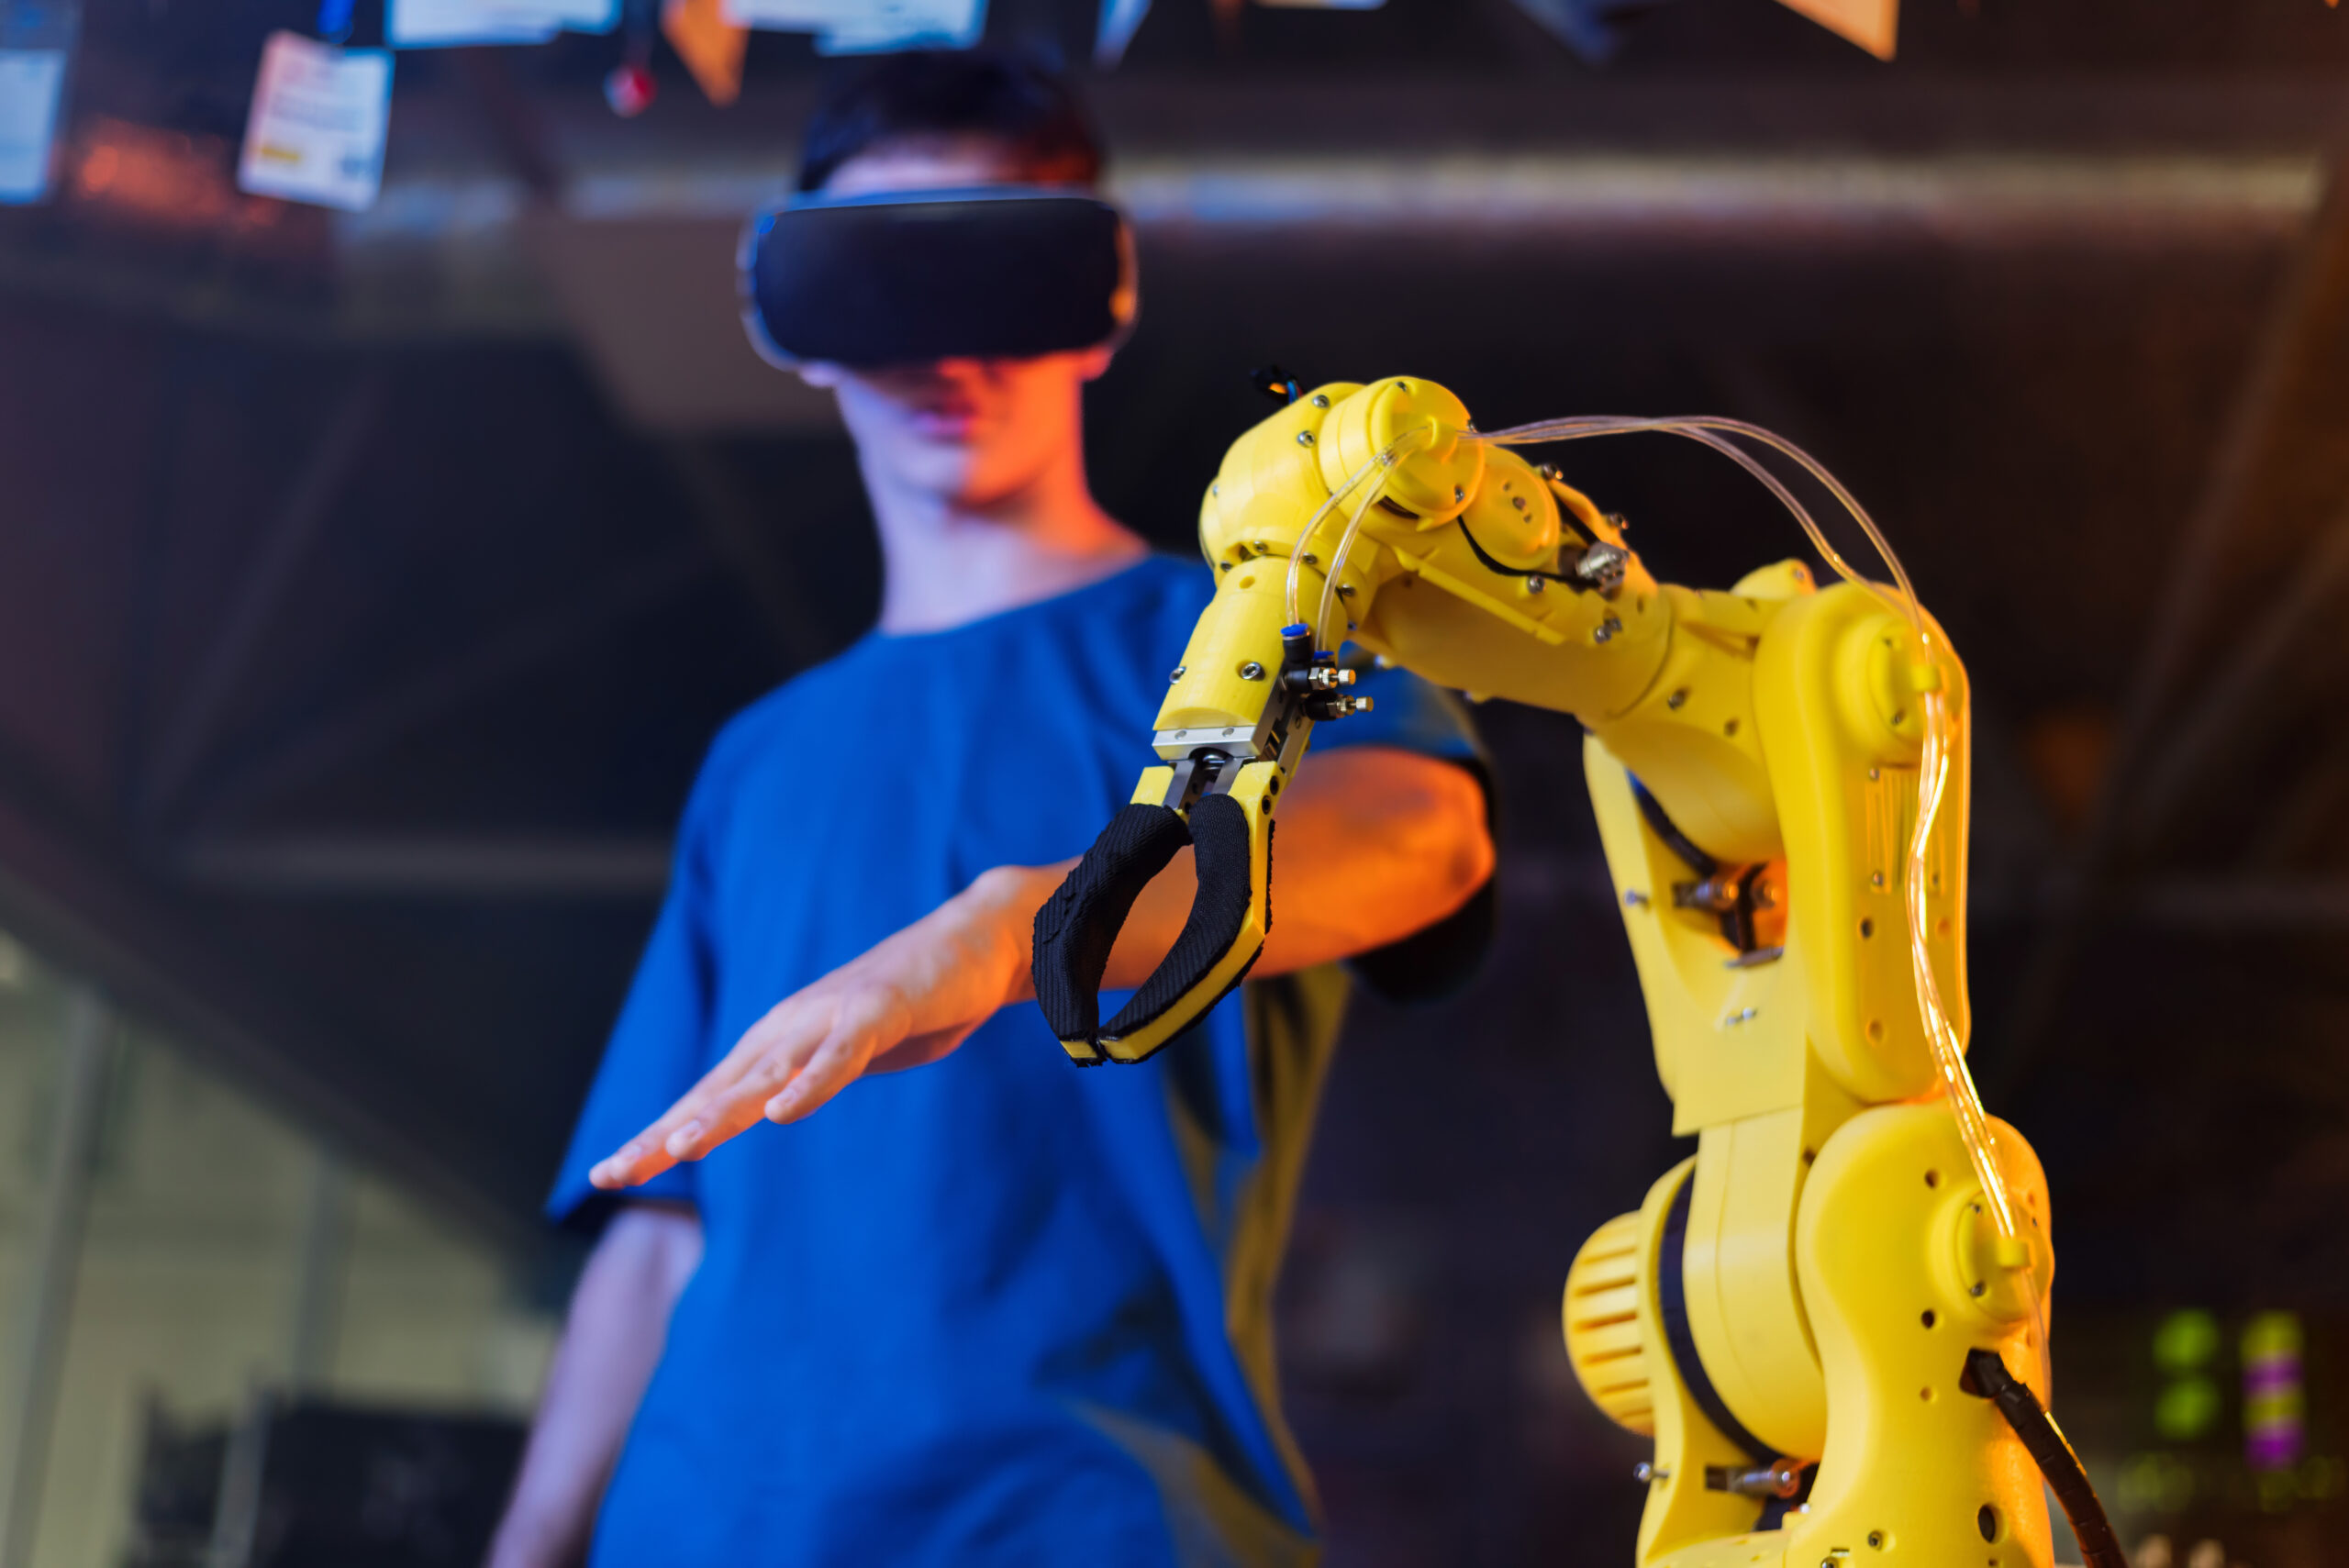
{"points": [[738, 1106], [670, 1136], [835, 1064], [632, 1164]]}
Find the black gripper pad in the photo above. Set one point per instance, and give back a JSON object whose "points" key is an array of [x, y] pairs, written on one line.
{"points": [[1077, 925], [1220, 837]]}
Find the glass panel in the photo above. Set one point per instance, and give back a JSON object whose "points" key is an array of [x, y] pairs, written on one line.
{"points": [[430, 1316], [210, 1241], [185, 1283], [32, 1013]]}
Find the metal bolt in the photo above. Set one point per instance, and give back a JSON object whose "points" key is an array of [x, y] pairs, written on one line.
{"points": [[1178, 674], [1622, 523], [1535, 584], [1311, 559], [1258, 546], [1876, 1539], [1634, 899], [1872, 775], [1459, 494], [1346, 590], [1643, 1472], [1251, 670], [1517, 502], [1182, 734], [1875, 879], [1604, 630], [1547, 471], [1320, 400], [1676, 699], [1305, 438], [1977, 1288]]}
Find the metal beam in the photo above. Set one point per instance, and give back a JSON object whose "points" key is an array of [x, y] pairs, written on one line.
{"points": [[2195, 744], [66, 892], [367, 728], [317, 1305], [743, 535], [37, 1348], [2232, 904], [2313, 280], [195, 722], [437, 866]]}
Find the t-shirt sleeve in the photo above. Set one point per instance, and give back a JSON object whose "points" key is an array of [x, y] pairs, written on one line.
{"points": [[658, 1046], [1417, 715]]}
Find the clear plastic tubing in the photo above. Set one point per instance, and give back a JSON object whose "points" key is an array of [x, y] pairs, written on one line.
{"points": [[1722, 436]]}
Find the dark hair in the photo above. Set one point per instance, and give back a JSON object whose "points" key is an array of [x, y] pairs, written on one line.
{"points": [[939, 92]]}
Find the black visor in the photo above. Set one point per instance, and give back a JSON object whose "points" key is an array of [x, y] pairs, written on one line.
{"points": [[1002, 271]]}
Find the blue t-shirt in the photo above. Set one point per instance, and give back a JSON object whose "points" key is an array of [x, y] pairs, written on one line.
{"points": [[995, 1310]]}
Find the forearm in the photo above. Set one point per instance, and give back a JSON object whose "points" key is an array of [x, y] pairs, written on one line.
{"points": [[619, 1318], [1373, 844]]}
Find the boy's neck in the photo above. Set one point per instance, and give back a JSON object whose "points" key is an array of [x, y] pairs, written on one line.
{"points": [[946, 565]]}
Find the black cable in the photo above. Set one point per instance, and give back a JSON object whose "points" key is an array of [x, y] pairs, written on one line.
{"points": [[1668, 830], [1504, 569], [1987, 1376]]}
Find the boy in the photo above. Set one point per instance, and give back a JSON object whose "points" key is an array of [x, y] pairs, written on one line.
{"points": [[997, 1310]]}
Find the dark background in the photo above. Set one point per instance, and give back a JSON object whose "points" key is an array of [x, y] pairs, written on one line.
{"points": [[368, 587]]}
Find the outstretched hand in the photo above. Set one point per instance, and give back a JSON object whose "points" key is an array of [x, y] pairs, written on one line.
{"points": [[1376, 843], [907, 1002]]}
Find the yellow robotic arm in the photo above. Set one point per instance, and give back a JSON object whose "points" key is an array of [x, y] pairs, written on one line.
{"points": [[1813, 1316]]}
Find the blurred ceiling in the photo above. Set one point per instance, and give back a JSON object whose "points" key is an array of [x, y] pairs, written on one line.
{"points": [[369, 584]]}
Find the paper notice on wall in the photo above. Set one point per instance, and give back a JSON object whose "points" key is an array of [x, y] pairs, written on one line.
{"points": [[32, 81], [316, 133], [866, 26]]}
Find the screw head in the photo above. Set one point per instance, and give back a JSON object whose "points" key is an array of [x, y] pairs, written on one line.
{"points": [[1535, 584], [1305, 438], [1459, 493], [1320, 400], [1251, 670], [1178, 674]]}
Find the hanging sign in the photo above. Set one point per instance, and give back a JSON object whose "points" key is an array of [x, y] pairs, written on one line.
{"points": [[867, 26], [1120, 19], [441, 23], [32, 81], [711, 47], [316, 133]]}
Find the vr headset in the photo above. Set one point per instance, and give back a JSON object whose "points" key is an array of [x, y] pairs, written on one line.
{"points": [[908, 277]]}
